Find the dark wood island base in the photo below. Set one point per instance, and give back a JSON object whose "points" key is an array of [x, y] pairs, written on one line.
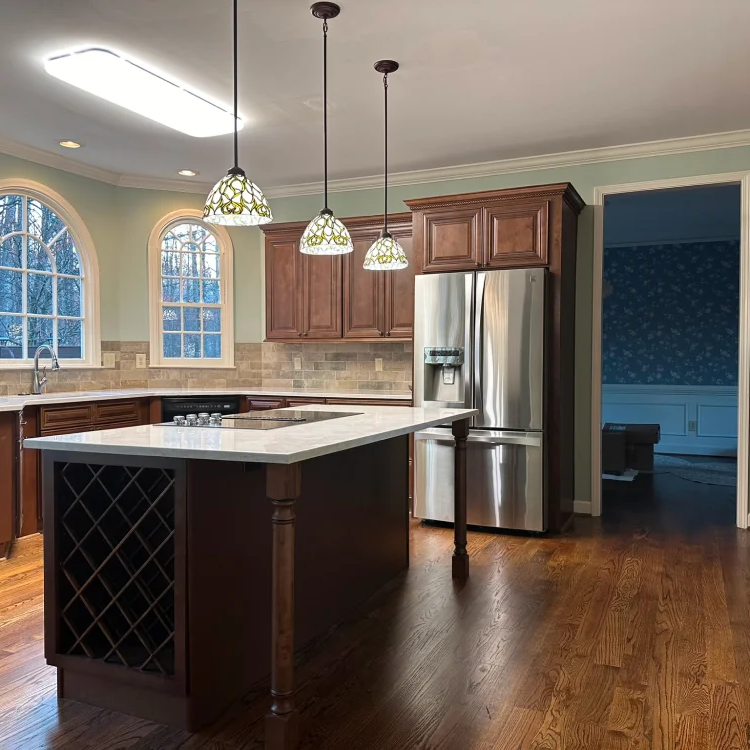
{"points": [[169, 594]]}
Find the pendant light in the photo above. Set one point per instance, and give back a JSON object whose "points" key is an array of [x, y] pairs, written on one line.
{"points": [[325, 234], [385, 254], [235, 200]]}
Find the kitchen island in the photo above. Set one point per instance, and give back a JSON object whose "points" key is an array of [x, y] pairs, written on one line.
{"points": [[152, 611]]}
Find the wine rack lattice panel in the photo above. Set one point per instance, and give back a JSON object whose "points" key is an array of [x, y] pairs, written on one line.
{"points": [[115, 541]]}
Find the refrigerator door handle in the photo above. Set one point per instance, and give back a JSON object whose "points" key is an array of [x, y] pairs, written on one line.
{"points": [[478, 354], [532, 439]]}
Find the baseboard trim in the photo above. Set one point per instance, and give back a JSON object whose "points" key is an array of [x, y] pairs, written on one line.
{"points": [[582, 507], [695, 450]]}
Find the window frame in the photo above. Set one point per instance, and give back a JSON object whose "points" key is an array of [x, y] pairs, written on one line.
{"points": [[226, 289], [87, 258]]}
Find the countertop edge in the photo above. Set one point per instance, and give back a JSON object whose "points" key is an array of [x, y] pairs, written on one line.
{"points": [[59, 444], [19, 402]]}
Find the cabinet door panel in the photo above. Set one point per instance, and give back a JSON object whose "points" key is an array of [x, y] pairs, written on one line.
{"points": [[363, 292], [322, 296], [399, 293], [114, 412], [516, 233], [264, 404], [283, 290], [451, 239], [292, 402], [67, 416]]}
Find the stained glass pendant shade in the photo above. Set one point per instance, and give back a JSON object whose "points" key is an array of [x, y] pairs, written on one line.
{"points": [[385, 254], [325, 234], [235, 200]]}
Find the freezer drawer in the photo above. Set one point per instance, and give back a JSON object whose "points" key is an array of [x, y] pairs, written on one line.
{"points": [[505, 478]]}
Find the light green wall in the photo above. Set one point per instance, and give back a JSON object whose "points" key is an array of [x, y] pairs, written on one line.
{"points": [[120, 220]]}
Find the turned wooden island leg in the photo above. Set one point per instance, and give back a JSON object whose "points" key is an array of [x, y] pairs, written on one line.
{"points": [[460, 557], [283, 487]]}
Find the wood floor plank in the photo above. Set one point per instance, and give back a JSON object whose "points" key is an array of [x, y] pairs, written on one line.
{"points": [[624, 634]]}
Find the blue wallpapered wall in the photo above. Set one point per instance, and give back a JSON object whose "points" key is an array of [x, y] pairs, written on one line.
{"points": [[671, 314]]}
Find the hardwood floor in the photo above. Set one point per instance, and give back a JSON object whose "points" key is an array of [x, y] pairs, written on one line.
{"points": [[628, 633]]}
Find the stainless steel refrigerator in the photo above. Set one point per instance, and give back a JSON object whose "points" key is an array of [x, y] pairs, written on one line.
{"points": [[479, 343]]}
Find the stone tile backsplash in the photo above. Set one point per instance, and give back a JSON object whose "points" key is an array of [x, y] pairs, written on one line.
{"points": [[338, 366], [334, 366]]}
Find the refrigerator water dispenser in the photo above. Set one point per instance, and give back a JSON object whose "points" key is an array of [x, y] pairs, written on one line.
{"points": [[441, 364]]}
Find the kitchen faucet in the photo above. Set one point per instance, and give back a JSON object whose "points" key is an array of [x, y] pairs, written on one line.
{"points": [[40, 377]]}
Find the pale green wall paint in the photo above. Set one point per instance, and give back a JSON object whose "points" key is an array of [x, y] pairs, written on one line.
{"points": [[120, 220]]}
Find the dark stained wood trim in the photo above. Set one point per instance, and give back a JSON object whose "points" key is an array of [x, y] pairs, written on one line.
{"points": [[30, 514], [8, 479], [571, 196]]}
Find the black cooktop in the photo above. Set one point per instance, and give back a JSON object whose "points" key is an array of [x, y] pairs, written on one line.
{"points": [[272, 419]]}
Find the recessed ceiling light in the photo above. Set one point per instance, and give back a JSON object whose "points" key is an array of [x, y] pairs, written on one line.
{"points": [[70, 144], [106, 74], [187, 173]]}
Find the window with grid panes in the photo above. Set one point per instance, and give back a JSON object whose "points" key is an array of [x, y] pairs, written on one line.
{"points": [[42, 282], [192, 308]]}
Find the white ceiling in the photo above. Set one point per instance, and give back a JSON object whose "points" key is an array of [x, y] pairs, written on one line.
{"points": [[481, 80]]}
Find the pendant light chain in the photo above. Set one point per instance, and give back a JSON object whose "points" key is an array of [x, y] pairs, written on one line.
{"points": [[325, 111], [385, 152], [236, 147]]}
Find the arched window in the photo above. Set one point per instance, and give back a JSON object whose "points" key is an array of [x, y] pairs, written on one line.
{"points": [[190, 267], [48, 278]]}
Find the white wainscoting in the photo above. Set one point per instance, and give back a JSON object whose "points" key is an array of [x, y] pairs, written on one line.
{"points": [[712, 410]]}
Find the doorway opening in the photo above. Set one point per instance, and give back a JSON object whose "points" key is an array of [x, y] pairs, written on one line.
{"points": [[670, 358]]}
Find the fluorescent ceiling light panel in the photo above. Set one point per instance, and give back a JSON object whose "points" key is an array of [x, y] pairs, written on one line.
{"points": [[106, 74]]}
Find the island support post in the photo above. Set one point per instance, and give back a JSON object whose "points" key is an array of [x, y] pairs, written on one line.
{"points": [[460, 557], [283, 487]]}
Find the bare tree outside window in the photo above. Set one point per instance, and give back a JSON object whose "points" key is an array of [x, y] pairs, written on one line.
{"points": [[190, 293], [41, 281]]}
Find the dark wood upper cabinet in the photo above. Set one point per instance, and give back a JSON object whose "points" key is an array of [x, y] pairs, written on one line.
{"points": [[363, 290], [334, 297], [283, 287], [321, 296], [399, 291], [516, 233], [495, 229], [450, 238]]}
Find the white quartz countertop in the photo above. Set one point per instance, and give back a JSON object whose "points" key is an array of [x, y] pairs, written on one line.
{"points": [[16, 403], [286, 445]]}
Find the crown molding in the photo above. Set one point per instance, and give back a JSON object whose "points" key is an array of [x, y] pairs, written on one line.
{"points": [[163, 183], [525, 164], [581, 157]]}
